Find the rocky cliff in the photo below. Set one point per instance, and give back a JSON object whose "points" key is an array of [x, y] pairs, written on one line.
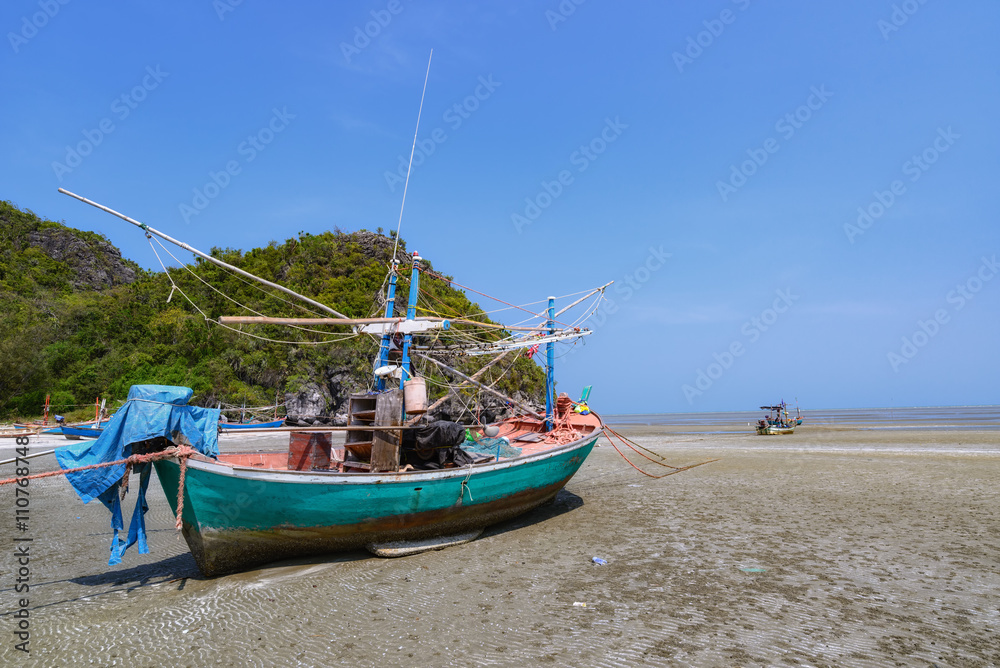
{"points": [[94, 263]]}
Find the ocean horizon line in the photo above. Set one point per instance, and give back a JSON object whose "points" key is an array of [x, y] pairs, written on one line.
{"points": [[811, 410]]}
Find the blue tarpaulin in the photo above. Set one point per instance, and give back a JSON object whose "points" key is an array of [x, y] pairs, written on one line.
{"points": [[150, 411]]}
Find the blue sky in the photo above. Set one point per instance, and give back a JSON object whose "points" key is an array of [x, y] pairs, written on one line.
{"points": [[711, 158]]}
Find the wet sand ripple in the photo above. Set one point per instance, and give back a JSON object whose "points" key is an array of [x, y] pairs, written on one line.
{"points": [[837, 548]]}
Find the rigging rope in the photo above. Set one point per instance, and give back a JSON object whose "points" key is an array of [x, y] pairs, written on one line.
{"points": [[241, 305], [174, 286]]}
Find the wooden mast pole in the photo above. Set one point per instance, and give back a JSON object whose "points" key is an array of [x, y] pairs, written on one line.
{"points": [[150, 230], [550, 361]]}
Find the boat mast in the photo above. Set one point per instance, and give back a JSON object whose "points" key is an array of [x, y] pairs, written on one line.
{"points": [[550, 360], [390, 305], [411, 312]]}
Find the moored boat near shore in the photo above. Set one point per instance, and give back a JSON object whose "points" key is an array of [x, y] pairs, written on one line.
{"points": [[242, 510], [81, 431], [235, 426], [393, 480], [777, 422]]}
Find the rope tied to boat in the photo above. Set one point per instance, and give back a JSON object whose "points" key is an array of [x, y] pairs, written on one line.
{"points": [[180, 490], [180, 452], [465, 486]]}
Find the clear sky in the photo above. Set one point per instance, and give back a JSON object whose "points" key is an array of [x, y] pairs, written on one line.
{"points": [[795, 199]]}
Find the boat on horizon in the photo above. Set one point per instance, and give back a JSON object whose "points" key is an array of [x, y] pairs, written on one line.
{"points": [[777, 422]]}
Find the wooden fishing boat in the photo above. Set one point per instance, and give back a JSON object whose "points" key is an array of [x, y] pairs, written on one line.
{"points": [[243, 510], [239, 510], [236, 426], [81, 431], [774, 430], [777, 422]]}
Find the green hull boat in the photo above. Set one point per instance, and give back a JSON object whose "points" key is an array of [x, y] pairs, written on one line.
{"points": [[240, 516]]}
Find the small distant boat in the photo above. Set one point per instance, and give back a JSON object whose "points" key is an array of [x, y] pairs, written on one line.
{"points": [[777, 422], [232, 426], [80, 431]]}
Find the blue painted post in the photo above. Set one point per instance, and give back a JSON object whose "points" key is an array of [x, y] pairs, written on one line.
{"points": [[411, 313], [550, 360], [383, 351]]}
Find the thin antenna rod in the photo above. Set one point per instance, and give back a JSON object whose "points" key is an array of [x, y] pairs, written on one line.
{"points": [[412, 150]]}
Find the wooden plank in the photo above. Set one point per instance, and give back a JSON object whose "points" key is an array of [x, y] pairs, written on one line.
{"points": [[385, 444], [264, 320]]}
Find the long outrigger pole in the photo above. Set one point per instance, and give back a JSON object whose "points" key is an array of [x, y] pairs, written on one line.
{"points": [[150, 230]]}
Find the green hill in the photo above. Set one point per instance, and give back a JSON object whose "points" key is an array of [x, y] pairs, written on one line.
{"points": [[79, 321]]}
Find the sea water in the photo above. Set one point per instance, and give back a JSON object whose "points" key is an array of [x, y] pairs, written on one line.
{"points": [[934, 417]]}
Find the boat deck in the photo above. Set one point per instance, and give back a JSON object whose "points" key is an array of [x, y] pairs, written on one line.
{"points": [[526, 433]]}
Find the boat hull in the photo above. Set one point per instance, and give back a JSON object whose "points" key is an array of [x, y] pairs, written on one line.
{"points": [[236, 518], [236, 426], [81, 432], [774, 430]]}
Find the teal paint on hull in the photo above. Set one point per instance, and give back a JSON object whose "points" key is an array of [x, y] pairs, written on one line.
{"points": [[237, 519]]}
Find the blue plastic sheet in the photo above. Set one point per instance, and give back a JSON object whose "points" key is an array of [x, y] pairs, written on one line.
{"points": [[150, 411]]}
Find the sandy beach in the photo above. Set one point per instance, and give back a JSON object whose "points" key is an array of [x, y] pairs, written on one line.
{"points": [[831, 547]]}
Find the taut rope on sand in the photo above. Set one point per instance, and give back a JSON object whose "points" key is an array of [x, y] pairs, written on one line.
{"points": [[635, 446]]}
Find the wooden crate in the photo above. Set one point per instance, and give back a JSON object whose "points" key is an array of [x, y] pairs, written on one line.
{"points": [[308, 451]]}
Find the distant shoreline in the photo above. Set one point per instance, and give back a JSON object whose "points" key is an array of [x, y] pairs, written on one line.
{"points": [[936, 417]]}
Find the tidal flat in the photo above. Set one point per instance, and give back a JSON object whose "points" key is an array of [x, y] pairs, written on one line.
{"points": [[835, 546]]}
